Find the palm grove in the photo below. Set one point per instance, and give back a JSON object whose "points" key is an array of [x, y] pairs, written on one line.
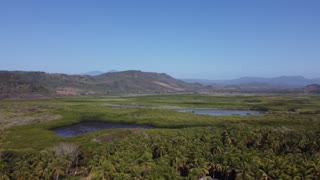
{"points": [[221, 153]]}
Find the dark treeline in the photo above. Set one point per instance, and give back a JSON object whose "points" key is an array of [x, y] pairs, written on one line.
{"points": [[191, 153]]}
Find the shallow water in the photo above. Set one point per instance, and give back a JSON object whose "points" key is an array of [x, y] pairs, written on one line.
{"points": [[92, 126], [217, 112]]}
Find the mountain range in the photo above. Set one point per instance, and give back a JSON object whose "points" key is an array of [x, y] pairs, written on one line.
{"points": [[32, 84], [276, 82], [23, 84]]}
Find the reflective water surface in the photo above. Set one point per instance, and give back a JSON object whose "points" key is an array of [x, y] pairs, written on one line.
{"points": [[91, 126]]}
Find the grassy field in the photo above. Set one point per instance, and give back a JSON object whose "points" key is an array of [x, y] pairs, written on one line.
{"points": [[26, 124]]}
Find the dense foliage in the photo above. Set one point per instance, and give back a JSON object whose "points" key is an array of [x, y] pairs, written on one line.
{"points": [[190, 153], [283, 143]]}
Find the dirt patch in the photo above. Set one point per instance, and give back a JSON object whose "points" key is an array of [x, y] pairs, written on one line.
{"points": [[168, 86], [8, 122], [23, 113]]}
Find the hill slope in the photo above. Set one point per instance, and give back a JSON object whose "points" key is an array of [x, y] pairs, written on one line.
{"points": [[21, 83], [313, 88]]}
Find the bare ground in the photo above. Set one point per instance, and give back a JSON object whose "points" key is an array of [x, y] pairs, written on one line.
{"points": [[168, 86]]}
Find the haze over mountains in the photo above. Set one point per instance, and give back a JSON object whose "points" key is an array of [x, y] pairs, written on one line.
{"points": [[23, 84], [95, 73], [276, 82]]}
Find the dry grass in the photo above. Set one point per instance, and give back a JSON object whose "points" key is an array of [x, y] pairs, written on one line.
{"points": [[24, 120], [12, 114]]}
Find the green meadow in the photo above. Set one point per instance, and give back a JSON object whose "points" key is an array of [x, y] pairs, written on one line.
{"points": [[281, 143]]}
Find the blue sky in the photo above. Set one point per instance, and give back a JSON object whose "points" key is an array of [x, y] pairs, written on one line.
{"points": [[210, 39]]}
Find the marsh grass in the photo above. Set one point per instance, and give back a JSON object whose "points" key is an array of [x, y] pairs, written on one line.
{"points": [[28, 123], [181, 145]]}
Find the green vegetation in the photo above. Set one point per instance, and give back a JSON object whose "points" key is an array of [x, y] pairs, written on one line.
{"points": [[283, 143]]}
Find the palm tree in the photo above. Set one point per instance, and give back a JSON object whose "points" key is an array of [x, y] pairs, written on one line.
{"points": [[243, 171], [56, 167], [211, 167], [266, 169], [3, 165], [3, 173], [198, 172], [305, 171], [315, 166], [22, 168], [158, 151], [225, 138]]}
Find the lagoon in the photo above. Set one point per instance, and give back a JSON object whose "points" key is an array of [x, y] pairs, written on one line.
{"points": [[92, 126]]}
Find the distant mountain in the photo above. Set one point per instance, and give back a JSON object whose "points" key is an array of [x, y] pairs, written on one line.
{"points": [[26, 84], [277, 82], [97, 73], [286, 81], [142, 82], [313, 88], [204, 81], [22, 84], [93, 73]]}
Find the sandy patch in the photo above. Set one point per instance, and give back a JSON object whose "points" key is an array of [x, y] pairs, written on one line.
{"points": [[168, 86]]}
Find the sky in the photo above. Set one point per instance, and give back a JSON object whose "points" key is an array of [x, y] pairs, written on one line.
{"points": [[200, 39]]}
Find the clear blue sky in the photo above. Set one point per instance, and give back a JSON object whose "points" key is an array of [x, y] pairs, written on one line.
{"points": [[211, 39]]}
